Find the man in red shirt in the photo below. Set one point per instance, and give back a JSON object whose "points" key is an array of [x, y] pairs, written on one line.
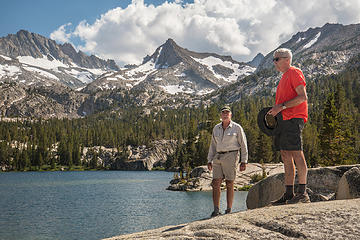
{"points": [[291, 101]]}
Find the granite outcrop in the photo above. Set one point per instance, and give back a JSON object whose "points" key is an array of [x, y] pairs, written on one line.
{"points": [[320, 220], [200, 177], [323, 184]]}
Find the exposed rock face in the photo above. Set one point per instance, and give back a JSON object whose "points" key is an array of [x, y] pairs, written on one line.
{"points": [[18, 100], [349, 185], [317, 52], [24, 43], [322, 220], [201, 177], [34, 61], [328, 45], [157, 154], [174, 70], [140, 158], [172, 77], [257, 60], [322, 185]]}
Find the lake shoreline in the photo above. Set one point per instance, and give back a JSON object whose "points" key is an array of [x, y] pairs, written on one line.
{"points": [[321, 220], [52, 205]]}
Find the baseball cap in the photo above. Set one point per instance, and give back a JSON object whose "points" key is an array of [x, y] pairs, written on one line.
{"points": [[226, 108]]}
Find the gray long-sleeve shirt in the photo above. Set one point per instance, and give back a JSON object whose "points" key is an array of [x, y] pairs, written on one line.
{"points": [[231, 139]]}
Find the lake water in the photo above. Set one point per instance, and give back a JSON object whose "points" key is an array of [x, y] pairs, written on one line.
{"points": [[96, 205]]}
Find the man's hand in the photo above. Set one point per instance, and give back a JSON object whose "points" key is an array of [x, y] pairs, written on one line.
{"points": [[209, 165], [242, 167], [275, 109]]}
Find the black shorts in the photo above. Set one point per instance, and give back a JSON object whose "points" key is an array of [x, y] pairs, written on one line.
{"points": [[290, 135]]}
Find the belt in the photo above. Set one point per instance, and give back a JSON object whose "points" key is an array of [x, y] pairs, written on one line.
{"points": [[228, 152]]}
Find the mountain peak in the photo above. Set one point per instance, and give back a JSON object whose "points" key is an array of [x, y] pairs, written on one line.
{"points": [[170, 42], [25, 43], [167, 55], [22, 31], [170, 45], [256, 60]]}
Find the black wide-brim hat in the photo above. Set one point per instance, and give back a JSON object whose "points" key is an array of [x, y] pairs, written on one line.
{"points": [[267, 123]]}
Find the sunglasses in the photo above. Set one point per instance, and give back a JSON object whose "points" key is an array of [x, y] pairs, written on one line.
{"points": [[278, 58]]}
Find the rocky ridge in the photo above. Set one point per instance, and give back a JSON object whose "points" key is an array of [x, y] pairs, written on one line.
{"points": [[172, 69], [172, 77], [34, 60], [317, 52], [25, 43], [18, 100]]}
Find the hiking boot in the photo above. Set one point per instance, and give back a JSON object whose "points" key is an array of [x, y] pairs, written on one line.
{"points": [[281, 201], [228, 211], [299, 198], [215, 213]]}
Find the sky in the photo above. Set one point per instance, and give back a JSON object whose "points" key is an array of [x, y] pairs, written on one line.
{"points": [[128, 30]]}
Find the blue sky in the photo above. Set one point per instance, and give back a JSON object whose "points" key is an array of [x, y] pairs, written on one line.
{"points": [[128, 30], [45, 16]]}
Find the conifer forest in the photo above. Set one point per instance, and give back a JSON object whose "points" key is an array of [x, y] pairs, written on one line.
{"points": [[331, 135]]}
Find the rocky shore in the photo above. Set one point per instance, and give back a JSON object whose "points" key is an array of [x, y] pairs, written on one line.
{"points": [[200, 177], [321, 220]]}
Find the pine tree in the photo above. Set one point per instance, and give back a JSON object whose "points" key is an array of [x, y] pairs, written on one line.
{"points": [[263, 151], [331, 136]]}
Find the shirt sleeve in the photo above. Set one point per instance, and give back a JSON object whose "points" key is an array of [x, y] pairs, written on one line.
{"points": [[297, 79], [243, 145], [212, 149]]}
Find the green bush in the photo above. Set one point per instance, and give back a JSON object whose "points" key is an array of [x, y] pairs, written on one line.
{"points": [[245, 188], [257, 177]]}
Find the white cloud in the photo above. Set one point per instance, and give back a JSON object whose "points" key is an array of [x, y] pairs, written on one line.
{"points": [[240, 28], [60, 34]]}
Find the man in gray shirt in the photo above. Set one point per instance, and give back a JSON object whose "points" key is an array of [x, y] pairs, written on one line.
{"points": [[227, 139]]}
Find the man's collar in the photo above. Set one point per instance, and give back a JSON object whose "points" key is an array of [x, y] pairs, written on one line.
{"points": [[230, 124]]}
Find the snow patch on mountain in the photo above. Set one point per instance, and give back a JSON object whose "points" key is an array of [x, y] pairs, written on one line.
{"points": [[9, 71], [313, 41], [6, 58], [180, 75], [146, 67], [211, 61], [83, 76], [204, 91], [173, 89], [157, 58], [41, 72], [140, 73], [120, 76], [300, 39], [95, 71], [43, 62]]}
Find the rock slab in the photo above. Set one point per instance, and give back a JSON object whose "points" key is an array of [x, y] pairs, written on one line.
{"points": [[321, 220], [322, 185], [349, 185]]}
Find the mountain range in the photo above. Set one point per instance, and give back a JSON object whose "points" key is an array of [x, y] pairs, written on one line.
{"points": [[317, 52], [40, 78]]}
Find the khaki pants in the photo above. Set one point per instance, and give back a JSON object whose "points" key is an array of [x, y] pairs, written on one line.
{"points": [[224, 165]]}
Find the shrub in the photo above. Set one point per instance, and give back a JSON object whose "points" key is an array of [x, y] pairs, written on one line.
{"points": [[245, 188], [257, 177]]}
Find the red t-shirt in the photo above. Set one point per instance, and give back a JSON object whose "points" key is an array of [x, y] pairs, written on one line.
{"points": [[285, 91]]}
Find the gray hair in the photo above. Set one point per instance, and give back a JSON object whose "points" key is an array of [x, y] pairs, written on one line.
{"points": [[283, 52]]}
